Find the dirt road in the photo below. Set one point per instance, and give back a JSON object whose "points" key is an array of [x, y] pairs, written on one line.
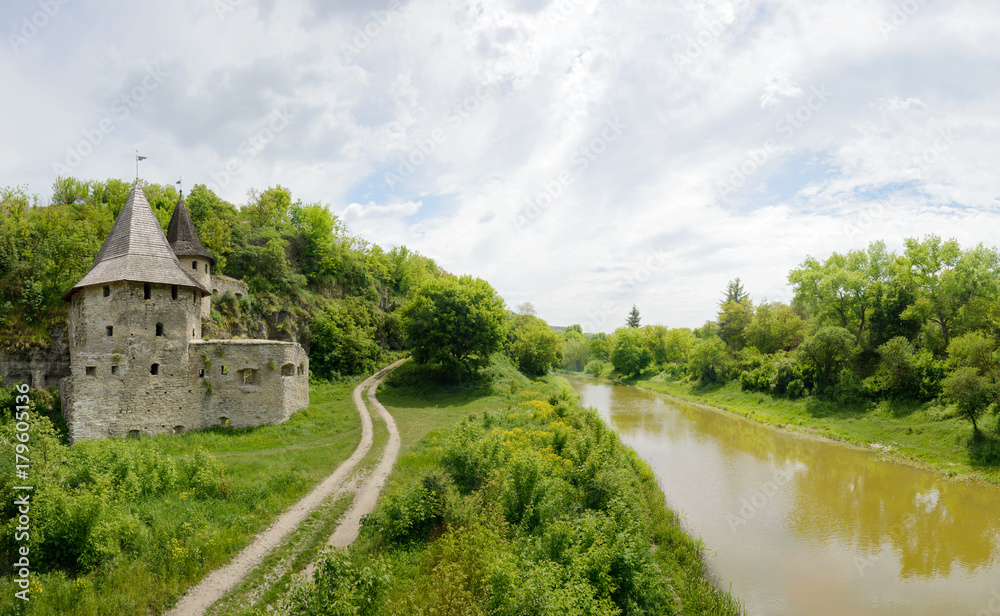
{"points": [[220, 581]]}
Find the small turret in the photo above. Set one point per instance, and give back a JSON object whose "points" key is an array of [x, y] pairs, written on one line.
{"points": [[191, 253]]}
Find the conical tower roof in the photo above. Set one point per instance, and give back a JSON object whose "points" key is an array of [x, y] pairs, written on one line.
{"points": [[182, 235], [136, 250]]}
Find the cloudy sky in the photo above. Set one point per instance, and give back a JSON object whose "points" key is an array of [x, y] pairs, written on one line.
{"points": [[583, 155]]}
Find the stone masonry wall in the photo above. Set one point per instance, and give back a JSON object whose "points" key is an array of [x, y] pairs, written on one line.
{"points": [[38, 367], [135, 375], [149, 374], [250, 382]]}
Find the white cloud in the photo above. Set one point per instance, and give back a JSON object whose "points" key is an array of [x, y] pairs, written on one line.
{"points": [[436, 123], [357, 212]]}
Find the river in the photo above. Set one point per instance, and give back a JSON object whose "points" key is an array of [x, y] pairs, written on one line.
{"points": [[799, 526]]}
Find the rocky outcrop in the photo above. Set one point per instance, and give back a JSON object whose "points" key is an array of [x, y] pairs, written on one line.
{"points": [[37, 366]]}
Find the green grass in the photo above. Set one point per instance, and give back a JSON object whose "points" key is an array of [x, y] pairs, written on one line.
{"points": [[593, 532], [180, 535], [924, 435]]}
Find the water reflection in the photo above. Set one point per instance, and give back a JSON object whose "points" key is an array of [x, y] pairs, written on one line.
{"points": [[805, 526]]}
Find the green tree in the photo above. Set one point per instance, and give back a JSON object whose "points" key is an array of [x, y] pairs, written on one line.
{"points": [[954, 288], [708, 360], [526, 308], [970, 391], [734, 317], [633, 317], [269, 208], [629, 354], [575, 351], [774, 327], [826, 351], [598, 347], [842, 290], [575, 328], [341, 340], [896, 374], [455, 322], [678, 344], [214, 219], [734, 293], [535, 347]]}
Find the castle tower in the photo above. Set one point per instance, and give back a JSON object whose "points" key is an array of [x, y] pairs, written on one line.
{"points": [[131, 319], [184, 241]]}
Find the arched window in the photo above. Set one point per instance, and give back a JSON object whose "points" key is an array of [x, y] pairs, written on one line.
{"points": [[147, 291], [159, 329], [288, 370], [173, 291], [154, 369]]}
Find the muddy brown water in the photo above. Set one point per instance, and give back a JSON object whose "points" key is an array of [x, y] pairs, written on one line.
{"points": [[797, 526]]}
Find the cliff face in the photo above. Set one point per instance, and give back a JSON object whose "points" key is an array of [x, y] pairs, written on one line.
{"points": [[39, 367]]}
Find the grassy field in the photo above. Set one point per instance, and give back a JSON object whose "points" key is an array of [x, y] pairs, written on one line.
{"points": [[124, 526], [925, 435], [528, 505]]}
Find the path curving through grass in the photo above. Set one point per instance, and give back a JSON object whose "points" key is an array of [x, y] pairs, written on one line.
{"points": [[214, 586]]}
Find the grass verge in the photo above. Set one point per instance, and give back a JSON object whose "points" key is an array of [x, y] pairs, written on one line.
{"points": [[529, 505], [928, 436], [123, 526]]}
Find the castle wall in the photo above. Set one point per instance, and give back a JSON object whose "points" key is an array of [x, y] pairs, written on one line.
{"points": [[135, 376], [250, 382], [115, 390], [39, 367]]}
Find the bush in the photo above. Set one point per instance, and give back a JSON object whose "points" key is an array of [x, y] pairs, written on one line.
{"points": [[409, 512], [786, 371], [599, 368], [796, 389], [342, 587]]}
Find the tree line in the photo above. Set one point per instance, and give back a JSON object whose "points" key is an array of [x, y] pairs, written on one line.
{"points": [[352, 303], [866, 325]]}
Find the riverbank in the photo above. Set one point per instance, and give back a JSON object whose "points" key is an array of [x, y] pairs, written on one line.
{"points": [[528, 505], [927, 436]]}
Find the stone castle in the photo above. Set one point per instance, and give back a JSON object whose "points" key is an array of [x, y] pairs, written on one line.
{"points": [[138, 364]]}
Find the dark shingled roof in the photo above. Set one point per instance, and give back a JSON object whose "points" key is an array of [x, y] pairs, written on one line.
{"points": [[182, 235], [136, 250]]}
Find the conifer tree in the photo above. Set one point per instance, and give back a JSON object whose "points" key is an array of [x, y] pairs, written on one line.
{"points": [[633, 317]]}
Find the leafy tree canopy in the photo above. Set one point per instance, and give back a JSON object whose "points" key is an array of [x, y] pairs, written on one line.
{"points": [[455, 322]]}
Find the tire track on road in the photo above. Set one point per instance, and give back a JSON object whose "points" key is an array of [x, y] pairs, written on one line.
{"points": [[214, 586]]}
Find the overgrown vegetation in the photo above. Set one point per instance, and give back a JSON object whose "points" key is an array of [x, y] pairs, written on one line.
{"points": [[305, 271], [532, 508], [123, 526], [866, 331]]}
